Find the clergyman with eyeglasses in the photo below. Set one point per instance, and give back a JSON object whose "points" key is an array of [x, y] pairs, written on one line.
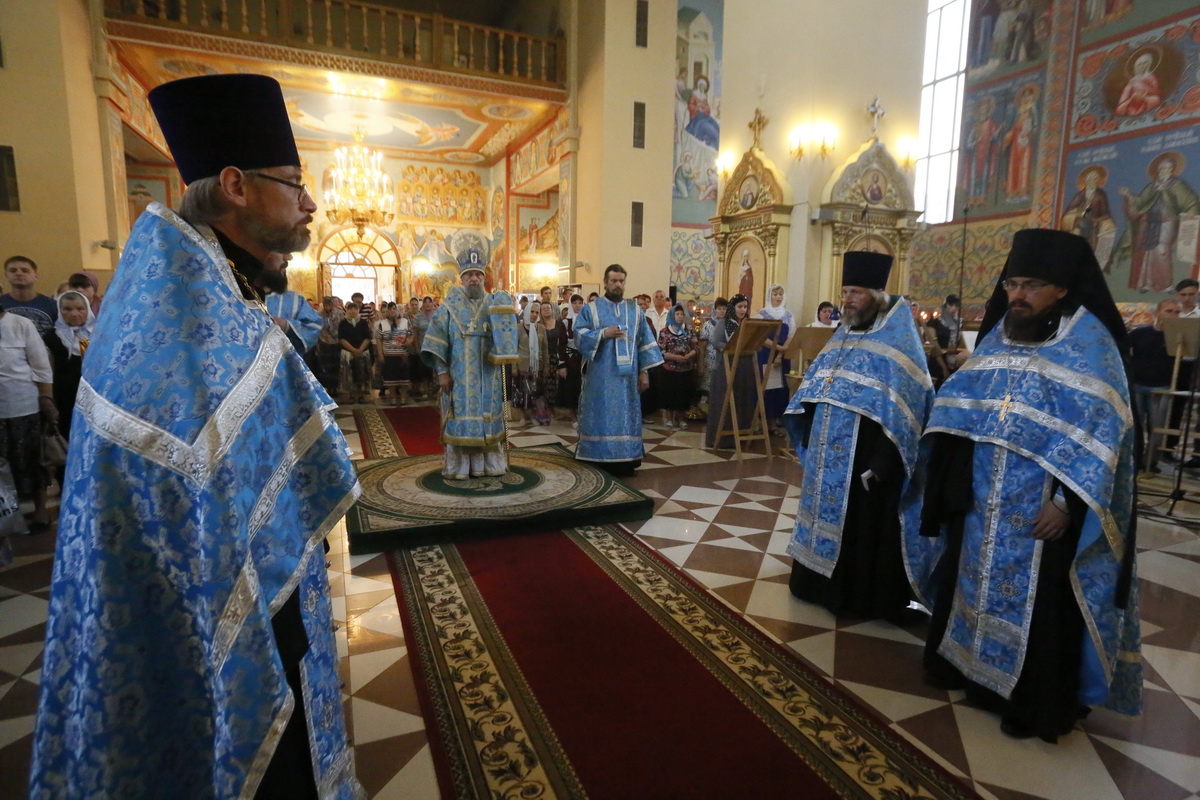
{"points": [[1023, 545], [190, 637]]}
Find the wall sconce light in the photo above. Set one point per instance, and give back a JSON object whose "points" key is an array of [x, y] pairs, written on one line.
{"points": [[825, 136], [422, 265], [904, 150], [798, 139], [546, 269], [822, 135], [724, 164]]}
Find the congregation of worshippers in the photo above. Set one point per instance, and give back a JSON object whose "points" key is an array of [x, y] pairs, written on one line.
{"points": [[978, 472]]}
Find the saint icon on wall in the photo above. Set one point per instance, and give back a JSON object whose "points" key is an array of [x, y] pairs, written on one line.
{"points": [[1156, 215], [874, 185], [1089, 214], [748, 193], [1143, 80], [745, 269]]}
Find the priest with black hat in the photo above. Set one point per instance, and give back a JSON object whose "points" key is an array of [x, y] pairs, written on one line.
{"points": [[1023, 509], [855, 422], [189, 647]]}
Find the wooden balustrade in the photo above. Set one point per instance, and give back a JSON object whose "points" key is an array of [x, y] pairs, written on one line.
{"points": [[365, 30]]}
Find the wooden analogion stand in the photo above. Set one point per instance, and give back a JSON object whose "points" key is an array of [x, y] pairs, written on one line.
{"points": [[746, 343]]}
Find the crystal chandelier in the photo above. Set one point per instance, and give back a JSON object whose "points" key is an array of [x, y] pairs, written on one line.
{"points": [[360, 192]]}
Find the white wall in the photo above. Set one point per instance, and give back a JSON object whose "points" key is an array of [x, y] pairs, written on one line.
{"points": [[56, 139], [822, 61], [614, 73]]}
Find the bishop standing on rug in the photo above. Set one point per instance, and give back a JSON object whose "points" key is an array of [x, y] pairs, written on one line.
{"points": [[1026, 552], [856, 421], [470, 338], [189, 647], [618, 349]]}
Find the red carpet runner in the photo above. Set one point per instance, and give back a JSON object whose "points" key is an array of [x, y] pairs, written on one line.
{"points": [[404, 431], [579, 663]]}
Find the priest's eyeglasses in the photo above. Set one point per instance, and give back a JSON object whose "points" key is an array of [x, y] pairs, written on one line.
{"points": [[301, 188], [1029, 287]]}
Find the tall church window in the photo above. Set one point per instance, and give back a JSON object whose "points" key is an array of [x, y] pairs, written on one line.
{"points": [[941, 107], [642, 30]]}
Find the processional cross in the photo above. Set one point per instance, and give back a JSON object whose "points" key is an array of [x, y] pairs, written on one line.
{"points": [[877, 113], [756, 126]]}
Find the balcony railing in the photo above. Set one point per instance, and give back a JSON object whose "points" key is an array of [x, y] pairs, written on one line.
{"points": [[364, 30]]}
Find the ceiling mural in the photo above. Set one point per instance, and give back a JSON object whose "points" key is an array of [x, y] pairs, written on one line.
{"points": [[403, 118]]}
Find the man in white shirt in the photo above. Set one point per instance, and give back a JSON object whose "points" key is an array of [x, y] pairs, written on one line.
{"points": [[660, 314], [26, 401]]}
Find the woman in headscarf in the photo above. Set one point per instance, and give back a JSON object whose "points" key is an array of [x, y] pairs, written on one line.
{"points": [[771, 360], [677, 381], [67, 344], [532, 360], [744, 392]]}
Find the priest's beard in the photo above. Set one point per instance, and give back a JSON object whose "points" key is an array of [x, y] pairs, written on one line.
{"points": [[1031, 328], [863, 317], [474, 292], [616, 295], [273, 282], [286, 240]]}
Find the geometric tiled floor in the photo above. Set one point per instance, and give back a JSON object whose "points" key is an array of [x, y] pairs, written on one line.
{"points": [[726, 523]]}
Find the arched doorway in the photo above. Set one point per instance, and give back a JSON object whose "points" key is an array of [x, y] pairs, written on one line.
{"points": [[350, 263]]}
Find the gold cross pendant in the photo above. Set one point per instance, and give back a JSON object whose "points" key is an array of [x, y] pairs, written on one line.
{"points": [[1004, 405]]}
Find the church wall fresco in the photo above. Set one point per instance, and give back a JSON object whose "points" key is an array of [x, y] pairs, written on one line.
{"points": [[697, 132], [1001, 127], [1117, 159]]}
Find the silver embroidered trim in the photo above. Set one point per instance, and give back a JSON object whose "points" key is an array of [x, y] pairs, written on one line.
{"points": [[197, 460], [917, 372], [1093, 445], [1059, 374], [879, 386], [242, 600], [296, 447]]}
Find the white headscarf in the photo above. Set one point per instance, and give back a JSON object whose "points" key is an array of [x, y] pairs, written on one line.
{"points": [[71, 336], [779, 312], [534, 349]]}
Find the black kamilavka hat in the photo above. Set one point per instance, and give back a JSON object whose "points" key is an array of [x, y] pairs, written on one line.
{"points": [[866, 269], [216, 121]]}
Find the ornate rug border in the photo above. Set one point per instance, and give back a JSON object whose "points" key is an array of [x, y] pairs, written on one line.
{"points": [[463, 773], [908, 761]]}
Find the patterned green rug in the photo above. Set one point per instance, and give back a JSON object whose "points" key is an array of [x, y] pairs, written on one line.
{"points": [[406, 501]]}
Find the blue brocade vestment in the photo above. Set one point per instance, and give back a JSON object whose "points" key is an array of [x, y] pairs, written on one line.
{"points": [[610, 411], [205, 469], [1038, 413], [472, 341], [878, 373]]}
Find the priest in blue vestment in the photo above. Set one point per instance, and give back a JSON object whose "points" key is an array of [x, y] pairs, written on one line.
{"points": [[189, 647], [1022, 525], [618, 349], [856, 421], [470, 338]]}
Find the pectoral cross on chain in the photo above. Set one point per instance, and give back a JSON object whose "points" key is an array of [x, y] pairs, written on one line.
{"points": [[1004, 405]]}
